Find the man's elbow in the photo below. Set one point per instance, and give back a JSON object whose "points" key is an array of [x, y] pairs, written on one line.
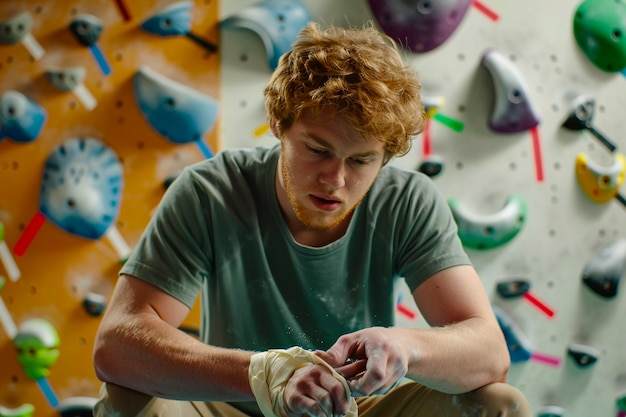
{"points": [[501, 366], [103, 362]]}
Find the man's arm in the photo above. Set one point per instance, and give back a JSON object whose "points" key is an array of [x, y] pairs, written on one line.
{"points": [[464, 350], [138, 346]]}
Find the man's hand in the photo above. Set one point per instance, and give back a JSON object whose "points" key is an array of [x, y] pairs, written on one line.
{"points": [[313, 390], [372, 360], [293, 382]]}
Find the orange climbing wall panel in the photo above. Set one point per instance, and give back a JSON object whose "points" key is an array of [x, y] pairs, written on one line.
{"points": [[58, 269]]}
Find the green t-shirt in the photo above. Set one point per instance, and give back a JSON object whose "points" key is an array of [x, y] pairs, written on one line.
{"points": [[219, 231]]}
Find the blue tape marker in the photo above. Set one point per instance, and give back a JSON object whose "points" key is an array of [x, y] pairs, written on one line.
{"points": [[206, 151], [100, 59], [48, 392]]}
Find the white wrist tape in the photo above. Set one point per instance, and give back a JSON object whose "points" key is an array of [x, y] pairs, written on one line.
{"points": [[269, 372]]}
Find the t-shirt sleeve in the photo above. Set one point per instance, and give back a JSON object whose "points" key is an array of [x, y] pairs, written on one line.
{"points": [[430, 242], [173, 253]]}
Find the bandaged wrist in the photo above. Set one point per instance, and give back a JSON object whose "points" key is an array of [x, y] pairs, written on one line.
{"points": [[269, 372]]}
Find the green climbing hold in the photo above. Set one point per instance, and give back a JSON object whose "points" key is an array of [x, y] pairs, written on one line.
{"points": [[621, 403], [24, 410], [36, 343], [600, 32], [488, 231]]}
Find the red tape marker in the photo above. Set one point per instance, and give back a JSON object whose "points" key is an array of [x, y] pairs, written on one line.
{"points": [[121, 6], [406, 311], [546, 359], [536, 142], [427, 146], [29, 234], [486, 10], [543, 307]]}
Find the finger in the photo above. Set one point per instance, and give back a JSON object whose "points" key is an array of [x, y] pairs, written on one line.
{"points": [[375, 376], [334, 356], [306, 405], [338, 395], [317, 393], [328, 397], [345, 347], [352, 369]]}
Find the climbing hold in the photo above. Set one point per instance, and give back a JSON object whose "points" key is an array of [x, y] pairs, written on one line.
{"points": [[169, 180], [24, 410], [174, 20], [71, 80], [600, 31], [580, 117], [16, 29], [603, 270], [432, 104], [77, 407], [584, 356], [81, 190], [621, 402], [36, 343], [86, 29], [491, 230], [431, 165], [513, 288], [512, 111], [66, 79], [21, 119], [94, 304], [81, 193], [516, 341], [419, 25], [178, 112], [276, 22], [550, 411], [600, 183]]}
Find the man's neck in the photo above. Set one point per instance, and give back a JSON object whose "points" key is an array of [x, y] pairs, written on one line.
{"points": [[316, 238]]}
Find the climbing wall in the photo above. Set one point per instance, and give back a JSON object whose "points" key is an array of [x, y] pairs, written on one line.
{"points": [[491, 176], [59, 270]]}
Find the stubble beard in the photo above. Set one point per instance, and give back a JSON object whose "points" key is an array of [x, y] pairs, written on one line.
{"points": [[302, 213]]}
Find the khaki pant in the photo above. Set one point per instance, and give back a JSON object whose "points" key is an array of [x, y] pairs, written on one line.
{"points": [[407, 400]]}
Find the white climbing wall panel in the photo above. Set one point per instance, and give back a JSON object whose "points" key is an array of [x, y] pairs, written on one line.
{"points": [[563, 230]]}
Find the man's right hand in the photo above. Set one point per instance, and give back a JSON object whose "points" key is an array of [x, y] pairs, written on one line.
{"points": [[313, 390]]}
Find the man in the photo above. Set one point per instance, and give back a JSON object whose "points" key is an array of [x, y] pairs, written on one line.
{"points": [[295, 250]]}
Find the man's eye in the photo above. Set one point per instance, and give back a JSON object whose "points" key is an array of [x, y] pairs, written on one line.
{"points": [[360, 161], [315, 150]]}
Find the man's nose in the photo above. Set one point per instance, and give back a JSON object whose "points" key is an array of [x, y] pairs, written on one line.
{"points": [[333, 173]]}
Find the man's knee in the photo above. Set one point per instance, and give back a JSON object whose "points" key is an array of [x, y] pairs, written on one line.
{"points": [[122, 402], [502, 400]]}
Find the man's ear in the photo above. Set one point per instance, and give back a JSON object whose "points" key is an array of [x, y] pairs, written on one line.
{"points": [[274, 127]]}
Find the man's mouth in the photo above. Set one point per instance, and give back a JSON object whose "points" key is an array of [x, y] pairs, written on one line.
{"points": [[325, 203]]}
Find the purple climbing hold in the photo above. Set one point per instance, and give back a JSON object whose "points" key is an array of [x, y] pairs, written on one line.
{"points": [[419, 25]]}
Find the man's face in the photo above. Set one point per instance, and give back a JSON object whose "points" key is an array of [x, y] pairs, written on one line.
{"points": [[326, 168]]}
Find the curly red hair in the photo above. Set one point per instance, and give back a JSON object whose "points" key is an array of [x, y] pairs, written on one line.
{"points": [[356, 73]]}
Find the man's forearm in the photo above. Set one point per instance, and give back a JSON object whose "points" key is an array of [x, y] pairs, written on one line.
{"points": [[457, 358], [148, 355]]}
